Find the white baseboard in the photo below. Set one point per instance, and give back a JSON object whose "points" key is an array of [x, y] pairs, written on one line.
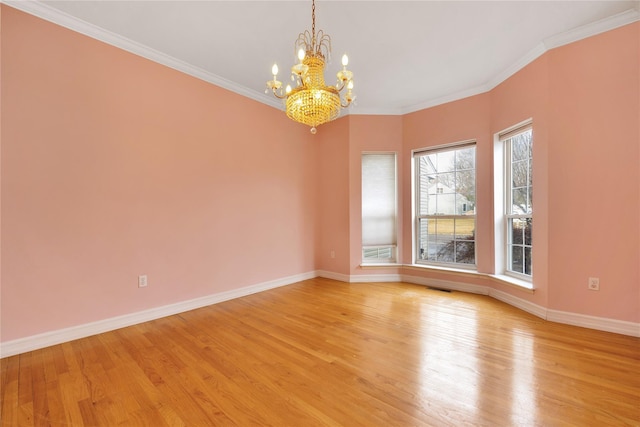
{"points": [[375, 278], [333, 276], [360, 278], [520, 303], [593, 322], [575, 319], [47, 339], [446, 284]]}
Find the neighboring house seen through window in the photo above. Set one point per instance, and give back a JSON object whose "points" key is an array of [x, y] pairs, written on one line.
{"points": [[445, 199]]}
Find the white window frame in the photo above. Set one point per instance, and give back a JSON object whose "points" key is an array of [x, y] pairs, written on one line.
{"points": [[382, 249], [503, 192], [417, 216]]}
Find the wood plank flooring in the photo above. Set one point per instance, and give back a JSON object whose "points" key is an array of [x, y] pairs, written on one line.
{"points": [[326, 353]]}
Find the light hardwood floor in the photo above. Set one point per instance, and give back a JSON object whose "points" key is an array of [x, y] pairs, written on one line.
{"points": [[326, 353]]}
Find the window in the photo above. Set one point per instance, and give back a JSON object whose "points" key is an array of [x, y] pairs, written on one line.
{"points": [[445, 198], [379, 207], [518, 192]]}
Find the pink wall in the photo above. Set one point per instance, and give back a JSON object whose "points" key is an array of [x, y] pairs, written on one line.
{"points": [[332, 141], [594, 146], [114, 166], [1, 133], [584, 102], [526, 95]]}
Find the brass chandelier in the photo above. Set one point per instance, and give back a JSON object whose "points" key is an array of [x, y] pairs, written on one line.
{"points": [[311, 102]]}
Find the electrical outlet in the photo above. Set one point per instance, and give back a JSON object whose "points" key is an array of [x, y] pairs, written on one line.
{"points": [[142, 281], [594, 284]]}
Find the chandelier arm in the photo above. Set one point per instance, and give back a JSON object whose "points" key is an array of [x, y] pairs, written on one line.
{"points": [[275, 93], [322, 44], [303, 41]]}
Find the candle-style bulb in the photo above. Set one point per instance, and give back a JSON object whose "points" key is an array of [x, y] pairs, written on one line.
{"points": [[301, 54], [274, 70], [345, 60]]}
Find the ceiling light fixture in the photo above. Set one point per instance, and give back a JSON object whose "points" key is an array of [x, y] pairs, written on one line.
{"points": [[311, 102]]}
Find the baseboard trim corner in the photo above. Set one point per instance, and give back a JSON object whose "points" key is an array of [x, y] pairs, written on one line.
{"points": [[334, 276], [520, 303]]}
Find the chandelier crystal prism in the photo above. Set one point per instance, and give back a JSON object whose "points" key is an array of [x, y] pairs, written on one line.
{"points": [[312, 102]]}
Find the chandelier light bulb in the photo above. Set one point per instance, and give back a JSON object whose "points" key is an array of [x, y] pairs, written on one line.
{"points": [[350, 85], [288, 89], [274, 70], [345, 60], [301, 55]]}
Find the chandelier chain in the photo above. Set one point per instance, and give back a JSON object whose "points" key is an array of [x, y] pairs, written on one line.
{"points": [[313, 22]]}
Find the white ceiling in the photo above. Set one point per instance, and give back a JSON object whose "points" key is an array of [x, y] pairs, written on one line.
{"points": [[406, 55]]}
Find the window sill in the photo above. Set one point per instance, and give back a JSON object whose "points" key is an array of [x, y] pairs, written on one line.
{"points": [[512, 281]]}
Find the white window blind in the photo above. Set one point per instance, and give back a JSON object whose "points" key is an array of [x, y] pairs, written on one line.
{"points": [[378, 199]]}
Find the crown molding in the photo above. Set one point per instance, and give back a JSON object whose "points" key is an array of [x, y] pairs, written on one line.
{"points": [[592, 29], [357, 111], [445, 99], [525, 60], [534, 53], [48, 13], [621, 19]]}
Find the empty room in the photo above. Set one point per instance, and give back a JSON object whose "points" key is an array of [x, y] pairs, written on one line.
{"points": [[320, 213]]}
